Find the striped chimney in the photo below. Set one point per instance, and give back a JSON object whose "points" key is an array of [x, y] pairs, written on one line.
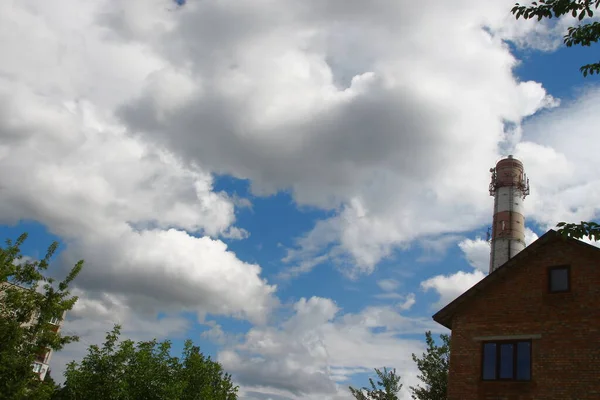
{"points": [[509, 187]]}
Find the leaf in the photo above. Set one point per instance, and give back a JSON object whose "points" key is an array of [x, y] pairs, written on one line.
{"points": [[146, 370], [27, 331]]}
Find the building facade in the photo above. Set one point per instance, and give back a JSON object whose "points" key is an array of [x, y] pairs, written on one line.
{"points": [[41, 363], [531, 328]]}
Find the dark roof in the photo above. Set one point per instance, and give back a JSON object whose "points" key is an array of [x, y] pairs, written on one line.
{"points": [[444, 316]]}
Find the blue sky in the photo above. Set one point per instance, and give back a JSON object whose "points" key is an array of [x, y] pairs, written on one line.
{"points": [[222, 186]]}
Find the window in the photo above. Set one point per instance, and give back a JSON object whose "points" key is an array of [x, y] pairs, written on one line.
{"points": [[559, 279], [506, 361], [54, 321], [37, 368]]}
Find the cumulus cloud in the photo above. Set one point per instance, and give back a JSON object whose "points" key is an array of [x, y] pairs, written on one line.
{"points": [[114, 118], [137, 205], [560, 161], [389, 135], [146, 223], [451, 286], [311, 354], [477, 253]]}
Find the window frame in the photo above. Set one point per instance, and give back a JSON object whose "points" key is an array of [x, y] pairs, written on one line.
{"points": [[556, 268], [54, 321], [37, 366], [515, 344]]}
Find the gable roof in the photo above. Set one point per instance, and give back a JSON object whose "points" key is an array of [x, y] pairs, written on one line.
{"points": [[445, 315]]}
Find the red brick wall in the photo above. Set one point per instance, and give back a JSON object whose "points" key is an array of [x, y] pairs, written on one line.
{"points": [[565, 360]]}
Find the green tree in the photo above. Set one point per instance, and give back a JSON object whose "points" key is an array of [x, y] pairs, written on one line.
{"points": [[123, 370], [389, 383], [580, 34], [433, 365], [29, 300], [578, 231]]}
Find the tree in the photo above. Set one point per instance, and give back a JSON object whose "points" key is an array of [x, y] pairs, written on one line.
{"points": [[578, 231], [581, 34], [29, 300], [146, 370], [389, 384], [434, 369]]}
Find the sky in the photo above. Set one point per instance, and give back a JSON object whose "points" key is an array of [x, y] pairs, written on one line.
{"points": [[295, 186]]}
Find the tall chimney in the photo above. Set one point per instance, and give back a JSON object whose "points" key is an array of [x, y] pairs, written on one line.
{"points": [[509, 187]]}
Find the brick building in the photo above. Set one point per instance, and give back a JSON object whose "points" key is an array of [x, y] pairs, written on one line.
{"points": [[531, 328]]}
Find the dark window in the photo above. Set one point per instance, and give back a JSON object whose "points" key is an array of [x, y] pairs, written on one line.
{"points": [[523, 361], [558, 279], [506, 360], [489, 361]]}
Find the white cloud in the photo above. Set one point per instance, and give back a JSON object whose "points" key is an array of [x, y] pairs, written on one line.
{"points": [[389, 136], [312, 354], [140, 217], [236, 233], [590, 241], [545, 35], [530, 236], [136, 204], [171, 270], [451, 286], [562, 166], [409, 301], [477, 253], [388, 285]]}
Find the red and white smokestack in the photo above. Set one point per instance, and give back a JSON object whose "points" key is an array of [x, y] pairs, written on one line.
{"points": [[509, 187]]}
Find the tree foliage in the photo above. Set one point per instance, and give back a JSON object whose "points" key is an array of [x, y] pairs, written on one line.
{"points": [[124, 370], [28, 301], [389, 386], [581, 34], [433, 364], [581, 230]]}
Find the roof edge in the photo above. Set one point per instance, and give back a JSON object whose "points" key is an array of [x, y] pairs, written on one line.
{"points": [[444, 316]]}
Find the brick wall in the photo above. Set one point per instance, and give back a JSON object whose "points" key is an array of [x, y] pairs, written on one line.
{"points": [[565, 359]]}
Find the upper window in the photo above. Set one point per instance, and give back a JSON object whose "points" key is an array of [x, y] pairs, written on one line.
{"points": [[506, 361], [54, 321], [559, 279], [37, 367]]}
